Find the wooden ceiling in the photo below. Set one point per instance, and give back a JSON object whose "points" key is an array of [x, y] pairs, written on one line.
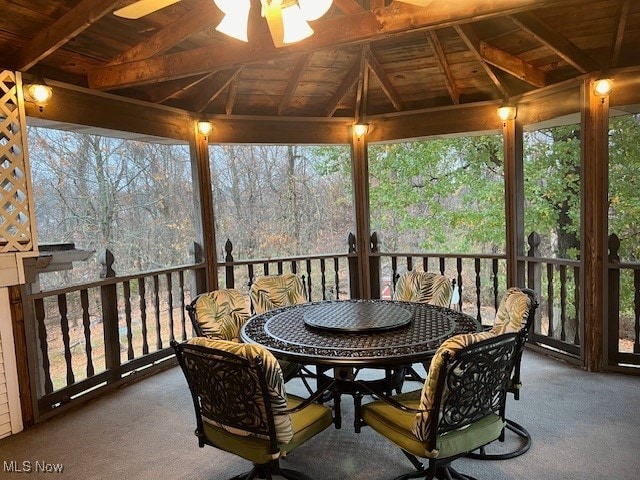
{"points": [[367, 57]]}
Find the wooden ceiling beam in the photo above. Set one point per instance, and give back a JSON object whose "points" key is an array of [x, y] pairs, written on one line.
{"points": [[388, 88], [203, 15], [396, 19], [347, 83], [231, 95], [469, 36], [556, 42], [294, 81], [48, 40], [444, 66], [362, 91], [348, 7], [513, 65], [621, 24], [209, 90]]}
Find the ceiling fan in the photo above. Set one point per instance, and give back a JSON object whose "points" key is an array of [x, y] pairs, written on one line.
{"points": [[287, 19]]}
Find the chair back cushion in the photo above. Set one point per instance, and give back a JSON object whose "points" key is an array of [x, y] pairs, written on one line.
{"points": [[426, 421], [229, 399], [275, 291], [513, 312], [424, 287], [221, 314]]}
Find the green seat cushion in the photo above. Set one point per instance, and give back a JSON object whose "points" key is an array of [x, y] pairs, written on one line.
{"points": [[397, 426], [289, 369], [306, 424]]}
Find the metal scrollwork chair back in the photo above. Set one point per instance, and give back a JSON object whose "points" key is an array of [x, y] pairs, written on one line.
{"points": [[460, 408], [241, 405]]}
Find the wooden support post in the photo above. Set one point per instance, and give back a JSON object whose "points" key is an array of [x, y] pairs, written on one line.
{"points": [[374, 267], [514, 201], [360, 178], [203, 203], [109, 301], [594, 207]]}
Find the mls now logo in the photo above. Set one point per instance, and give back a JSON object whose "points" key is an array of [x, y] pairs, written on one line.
{"points": [[32, 467]]}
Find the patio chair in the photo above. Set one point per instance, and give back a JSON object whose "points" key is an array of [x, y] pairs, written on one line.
{"points": [[241, 405], [459, 409], [515, 314], [275, 291], [423, 287], [220, 314]]}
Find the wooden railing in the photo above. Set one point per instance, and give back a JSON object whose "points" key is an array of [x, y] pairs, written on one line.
{"points": [[557, 281], [624, 308], [95, 335]]}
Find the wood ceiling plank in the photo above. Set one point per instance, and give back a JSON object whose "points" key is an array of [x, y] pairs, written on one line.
{"points": [[556, 42], [293, 83], [621, 24], [444, 66], [388, 88], [347, 83], [203, 15], [395, 19], [82, 16], [512, 65], [469, 36]]}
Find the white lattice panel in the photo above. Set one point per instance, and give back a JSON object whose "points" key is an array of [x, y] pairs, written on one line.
{"points": [[16, 224]]}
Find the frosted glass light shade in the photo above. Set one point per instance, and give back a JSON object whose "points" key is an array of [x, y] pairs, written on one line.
{"points": [[296, 27], [236, 18]]}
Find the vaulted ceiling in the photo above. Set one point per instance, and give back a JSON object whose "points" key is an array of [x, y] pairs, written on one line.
{"points": [[367, 57]]}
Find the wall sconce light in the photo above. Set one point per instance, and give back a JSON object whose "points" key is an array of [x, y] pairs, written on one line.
{"points": [[205, 128], [360, 129], [507, 112], [602, 87], [37, 91]]}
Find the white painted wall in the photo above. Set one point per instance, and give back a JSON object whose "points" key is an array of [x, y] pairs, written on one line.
{"points": [[10, 411]]}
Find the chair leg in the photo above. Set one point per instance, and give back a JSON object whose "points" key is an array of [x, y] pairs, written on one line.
{"points": [[525, 444]]}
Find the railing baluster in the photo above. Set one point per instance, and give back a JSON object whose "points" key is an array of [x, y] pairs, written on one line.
{"points": [[336, 273], [442, 265], [459, 285], [495, 284], [309, 280], [143, 314], [410, 263], [170, 305], [265, 268], [280, 268], [126, 287], [64, 327], [478, 286], [394, 271], [44, 346], [156, 305], [323, 278], [183, 318], [86, 323], [425, 264], [563, 302], [576, 296], [636, 303], [550, 299]]}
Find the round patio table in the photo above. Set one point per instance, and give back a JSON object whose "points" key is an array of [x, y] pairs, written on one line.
{"points": [[348, 335], [359, 333]]}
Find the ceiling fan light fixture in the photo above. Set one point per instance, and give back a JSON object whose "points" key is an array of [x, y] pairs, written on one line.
{"points": [[37, 91], [314, 9], [295, 25], [236, 18]]}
